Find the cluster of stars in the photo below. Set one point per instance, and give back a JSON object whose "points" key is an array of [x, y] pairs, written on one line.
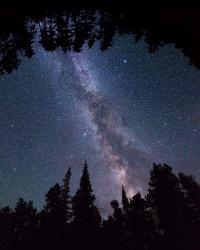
{"points": [[125, 110]]}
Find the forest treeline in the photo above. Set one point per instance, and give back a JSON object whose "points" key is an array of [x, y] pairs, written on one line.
{"points": [[167, 218], [68, 28]]}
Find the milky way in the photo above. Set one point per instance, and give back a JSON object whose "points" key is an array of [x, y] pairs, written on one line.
{"points": [[121, 109], [108, 133]]}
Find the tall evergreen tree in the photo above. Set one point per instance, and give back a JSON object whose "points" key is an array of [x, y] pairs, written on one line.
{"points": [[86, 222], [136, 223], [125, 201], [166, 201], [191, 191], [168, 218], [7, 229], [52, 219], [25, 224], [114, 235], [53, 200], [56, 216], [65, 196]]}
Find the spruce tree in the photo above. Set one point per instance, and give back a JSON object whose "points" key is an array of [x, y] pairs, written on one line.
{"points": [[125, 202], [25, 224], [166, 202], [66, 198], [7, 228], [116, 225], [191, 191], [136, 223], [86, 221], [52, 220]]}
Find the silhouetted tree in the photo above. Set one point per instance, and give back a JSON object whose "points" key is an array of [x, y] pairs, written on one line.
{"points": [[25, 225], [125, 202], [53, 223], [7, 229], [136, 223], [167, 218], [108, 234], [73, 26], [166, 201], [66, 197], [191, 191], [87, 220], [114, 233], [55, 228], [67, 209]]}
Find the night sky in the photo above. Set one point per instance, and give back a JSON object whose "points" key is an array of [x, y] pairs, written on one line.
{"points": [[121, 109]]}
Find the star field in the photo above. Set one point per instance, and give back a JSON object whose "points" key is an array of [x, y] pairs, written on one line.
{"points": [[121, 109]]}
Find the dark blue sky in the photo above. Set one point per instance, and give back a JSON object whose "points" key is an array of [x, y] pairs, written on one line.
{"points": [[121, 109]]}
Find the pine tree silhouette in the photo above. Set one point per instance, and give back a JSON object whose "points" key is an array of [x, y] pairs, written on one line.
{"points": [[166, 201], [167, 218], [125, 202], [116, 225], [87, 220], [136, 223], [25, 224], [66, 197], [191, 191], [8, 239], [52, 219]]}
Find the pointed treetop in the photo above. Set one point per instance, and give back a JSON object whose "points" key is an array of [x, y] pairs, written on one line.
{"points": [[67, 177], [125, 201], [84, 195], [68, 173], [85, 177], [66, 198], [85, 183]]}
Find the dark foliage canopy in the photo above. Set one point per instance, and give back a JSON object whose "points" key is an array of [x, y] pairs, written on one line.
{"points": [[71, 25], [167, 218]]}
